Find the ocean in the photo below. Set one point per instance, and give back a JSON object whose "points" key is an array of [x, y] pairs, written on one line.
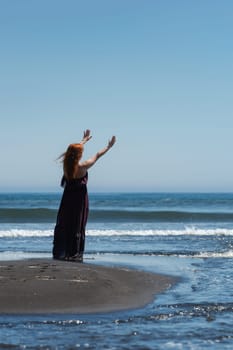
{"points": [[188, 235]]}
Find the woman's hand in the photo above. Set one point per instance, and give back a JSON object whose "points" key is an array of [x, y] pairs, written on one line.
{"points": [[86, 136], [111, 142]]}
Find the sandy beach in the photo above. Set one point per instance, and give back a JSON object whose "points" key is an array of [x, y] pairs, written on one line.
{"points": [[51, 286]]}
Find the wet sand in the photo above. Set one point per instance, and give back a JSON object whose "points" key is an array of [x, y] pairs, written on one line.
{"points": [[51, 286]]}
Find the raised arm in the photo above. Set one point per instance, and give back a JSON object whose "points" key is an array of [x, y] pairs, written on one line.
{"points": [[91, 161]]}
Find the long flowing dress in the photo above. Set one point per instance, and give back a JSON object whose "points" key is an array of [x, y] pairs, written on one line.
{"points": [[69, 232]]}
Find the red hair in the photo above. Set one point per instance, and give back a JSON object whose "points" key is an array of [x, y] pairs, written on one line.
{"points": [[71, 159]]}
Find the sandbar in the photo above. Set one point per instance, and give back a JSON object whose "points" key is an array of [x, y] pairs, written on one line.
{"points": [[38, 286]]}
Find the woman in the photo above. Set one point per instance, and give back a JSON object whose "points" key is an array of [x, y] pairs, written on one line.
{"points": [[69, 232]]}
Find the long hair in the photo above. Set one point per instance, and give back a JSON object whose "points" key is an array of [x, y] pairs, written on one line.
{"points": [[71, 159]]}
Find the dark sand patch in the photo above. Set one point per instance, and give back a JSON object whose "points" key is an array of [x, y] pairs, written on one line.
{"points": [[52, 286]]}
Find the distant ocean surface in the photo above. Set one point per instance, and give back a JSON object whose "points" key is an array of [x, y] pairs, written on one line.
{"points": [[188, 235]]}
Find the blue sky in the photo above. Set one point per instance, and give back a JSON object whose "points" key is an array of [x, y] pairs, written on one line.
{"points": [[156, 73]]}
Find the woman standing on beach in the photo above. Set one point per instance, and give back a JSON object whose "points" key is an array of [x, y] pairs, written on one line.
{"points": [[69, 232]]}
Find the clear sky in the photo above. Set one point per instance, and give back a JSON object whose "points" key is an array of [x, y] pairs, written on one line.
{"points": [[156, 73]]}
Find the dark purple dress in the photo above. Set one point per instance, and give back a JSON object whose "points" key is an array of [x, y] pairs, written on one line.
{"points": [[69, 232]]}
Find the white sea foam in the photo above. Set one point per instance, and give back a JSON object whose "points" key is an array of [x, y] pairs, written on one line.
{"points": [[190, 231], [14, 233], [165, 232], [227, 254]]}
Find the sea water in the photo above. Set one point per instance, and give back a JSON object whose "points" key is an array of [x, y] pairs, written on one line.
{"points": [[187, 235]]}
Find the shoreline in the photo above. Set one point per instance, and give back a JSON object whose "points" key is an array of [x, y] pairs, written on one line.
{"points": [[39, 286]]}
